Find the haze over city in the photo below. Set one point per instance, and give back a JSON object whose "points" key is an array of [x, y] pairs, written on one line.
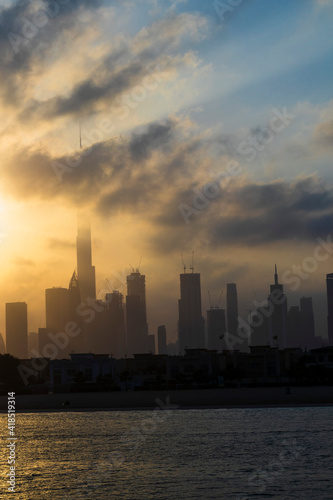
{"points": [[167, 95]]}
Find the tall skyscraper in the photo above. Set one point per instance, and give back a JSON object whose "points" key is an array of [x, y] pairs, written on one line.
{"points": [[136, 315], [277, 321], [162, 340], [215, 328], [85, 269], [329, 289], [17, 329], [191, 326], [232, 309]]}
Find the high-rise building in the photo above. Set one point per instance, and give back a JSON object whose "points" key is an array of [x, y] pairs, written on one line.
{"points": [[17, 329], [260, 328], [85, 269], [111, 330], [191, 326], [136, 315], [56, 307], [294, 327], [277, 321], [162, 340], [329, 289], [232, 309], [216, 328], [308, 324]]}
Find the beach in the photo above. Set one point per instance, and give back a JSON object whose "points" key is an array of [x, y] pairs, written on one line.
{"points": [[174, 399]]}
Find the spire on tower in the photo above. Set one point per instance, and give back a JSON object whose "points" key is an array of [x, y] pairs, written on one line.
{"points": [[276, 279]]}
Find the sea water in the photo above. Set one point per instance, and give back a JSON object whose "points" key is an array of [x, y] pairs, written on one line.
{"points": [[281, 453]]}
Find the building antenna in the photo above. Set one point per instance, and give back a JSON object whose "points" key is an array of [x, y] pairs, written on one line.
{"points": [[183, 263], [138, 268]]}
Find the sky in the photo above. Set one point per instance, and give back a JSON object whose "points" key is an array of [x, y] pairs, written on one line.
{"points": [[206, 127]]}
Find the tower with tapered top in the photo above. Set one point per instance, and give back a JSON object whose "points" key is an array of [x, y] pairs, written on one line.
{"points": [[277, 314], [85, 269]]}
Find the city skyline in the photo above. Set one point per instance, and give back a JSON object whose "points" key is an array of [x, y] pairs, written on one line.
{"points": [[177, 132], [121, 328]]}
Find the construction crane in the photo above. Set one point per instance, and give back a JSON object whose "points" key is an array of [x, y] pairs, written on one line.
{"points": [[184, 266], [138, 268], [219, 302], [192, 266]]}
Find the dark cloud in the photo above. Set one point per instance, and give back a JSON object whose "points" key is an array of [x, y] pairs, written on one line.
{"points": [[26, 38], [157, 136], [278, 211]]}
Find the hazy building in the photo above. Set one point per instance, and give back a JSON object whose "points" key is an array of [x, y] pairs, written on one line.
{"points": [[17, 329], [108, 326], [191, 326], [33, 343], [232, 308], [294, 326], [277, 321], [136, 315], [260, 328], [216, 328], [43, 341], [308, 324], [56, 307], [329, 289], [116, 319], [85, 269], [2, 345], [162, 340]]}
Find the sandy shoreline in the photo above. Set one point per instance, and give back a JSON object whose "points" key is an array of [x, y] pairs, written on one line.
{"points": [[183, 399]]}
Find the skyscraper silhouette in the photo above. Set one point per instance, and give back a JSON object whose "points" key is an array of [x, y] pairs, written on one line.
{"points": [[232, 308], [162, 340], [136, 315], [277, 321], [329, 290], [17, 329], [191, 323], [85, 269], [56, 308], [215, 328]]}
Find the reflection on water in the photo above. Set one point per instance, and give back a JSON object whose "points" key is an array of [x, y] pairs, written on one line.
{"points": [[192, 454]]}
